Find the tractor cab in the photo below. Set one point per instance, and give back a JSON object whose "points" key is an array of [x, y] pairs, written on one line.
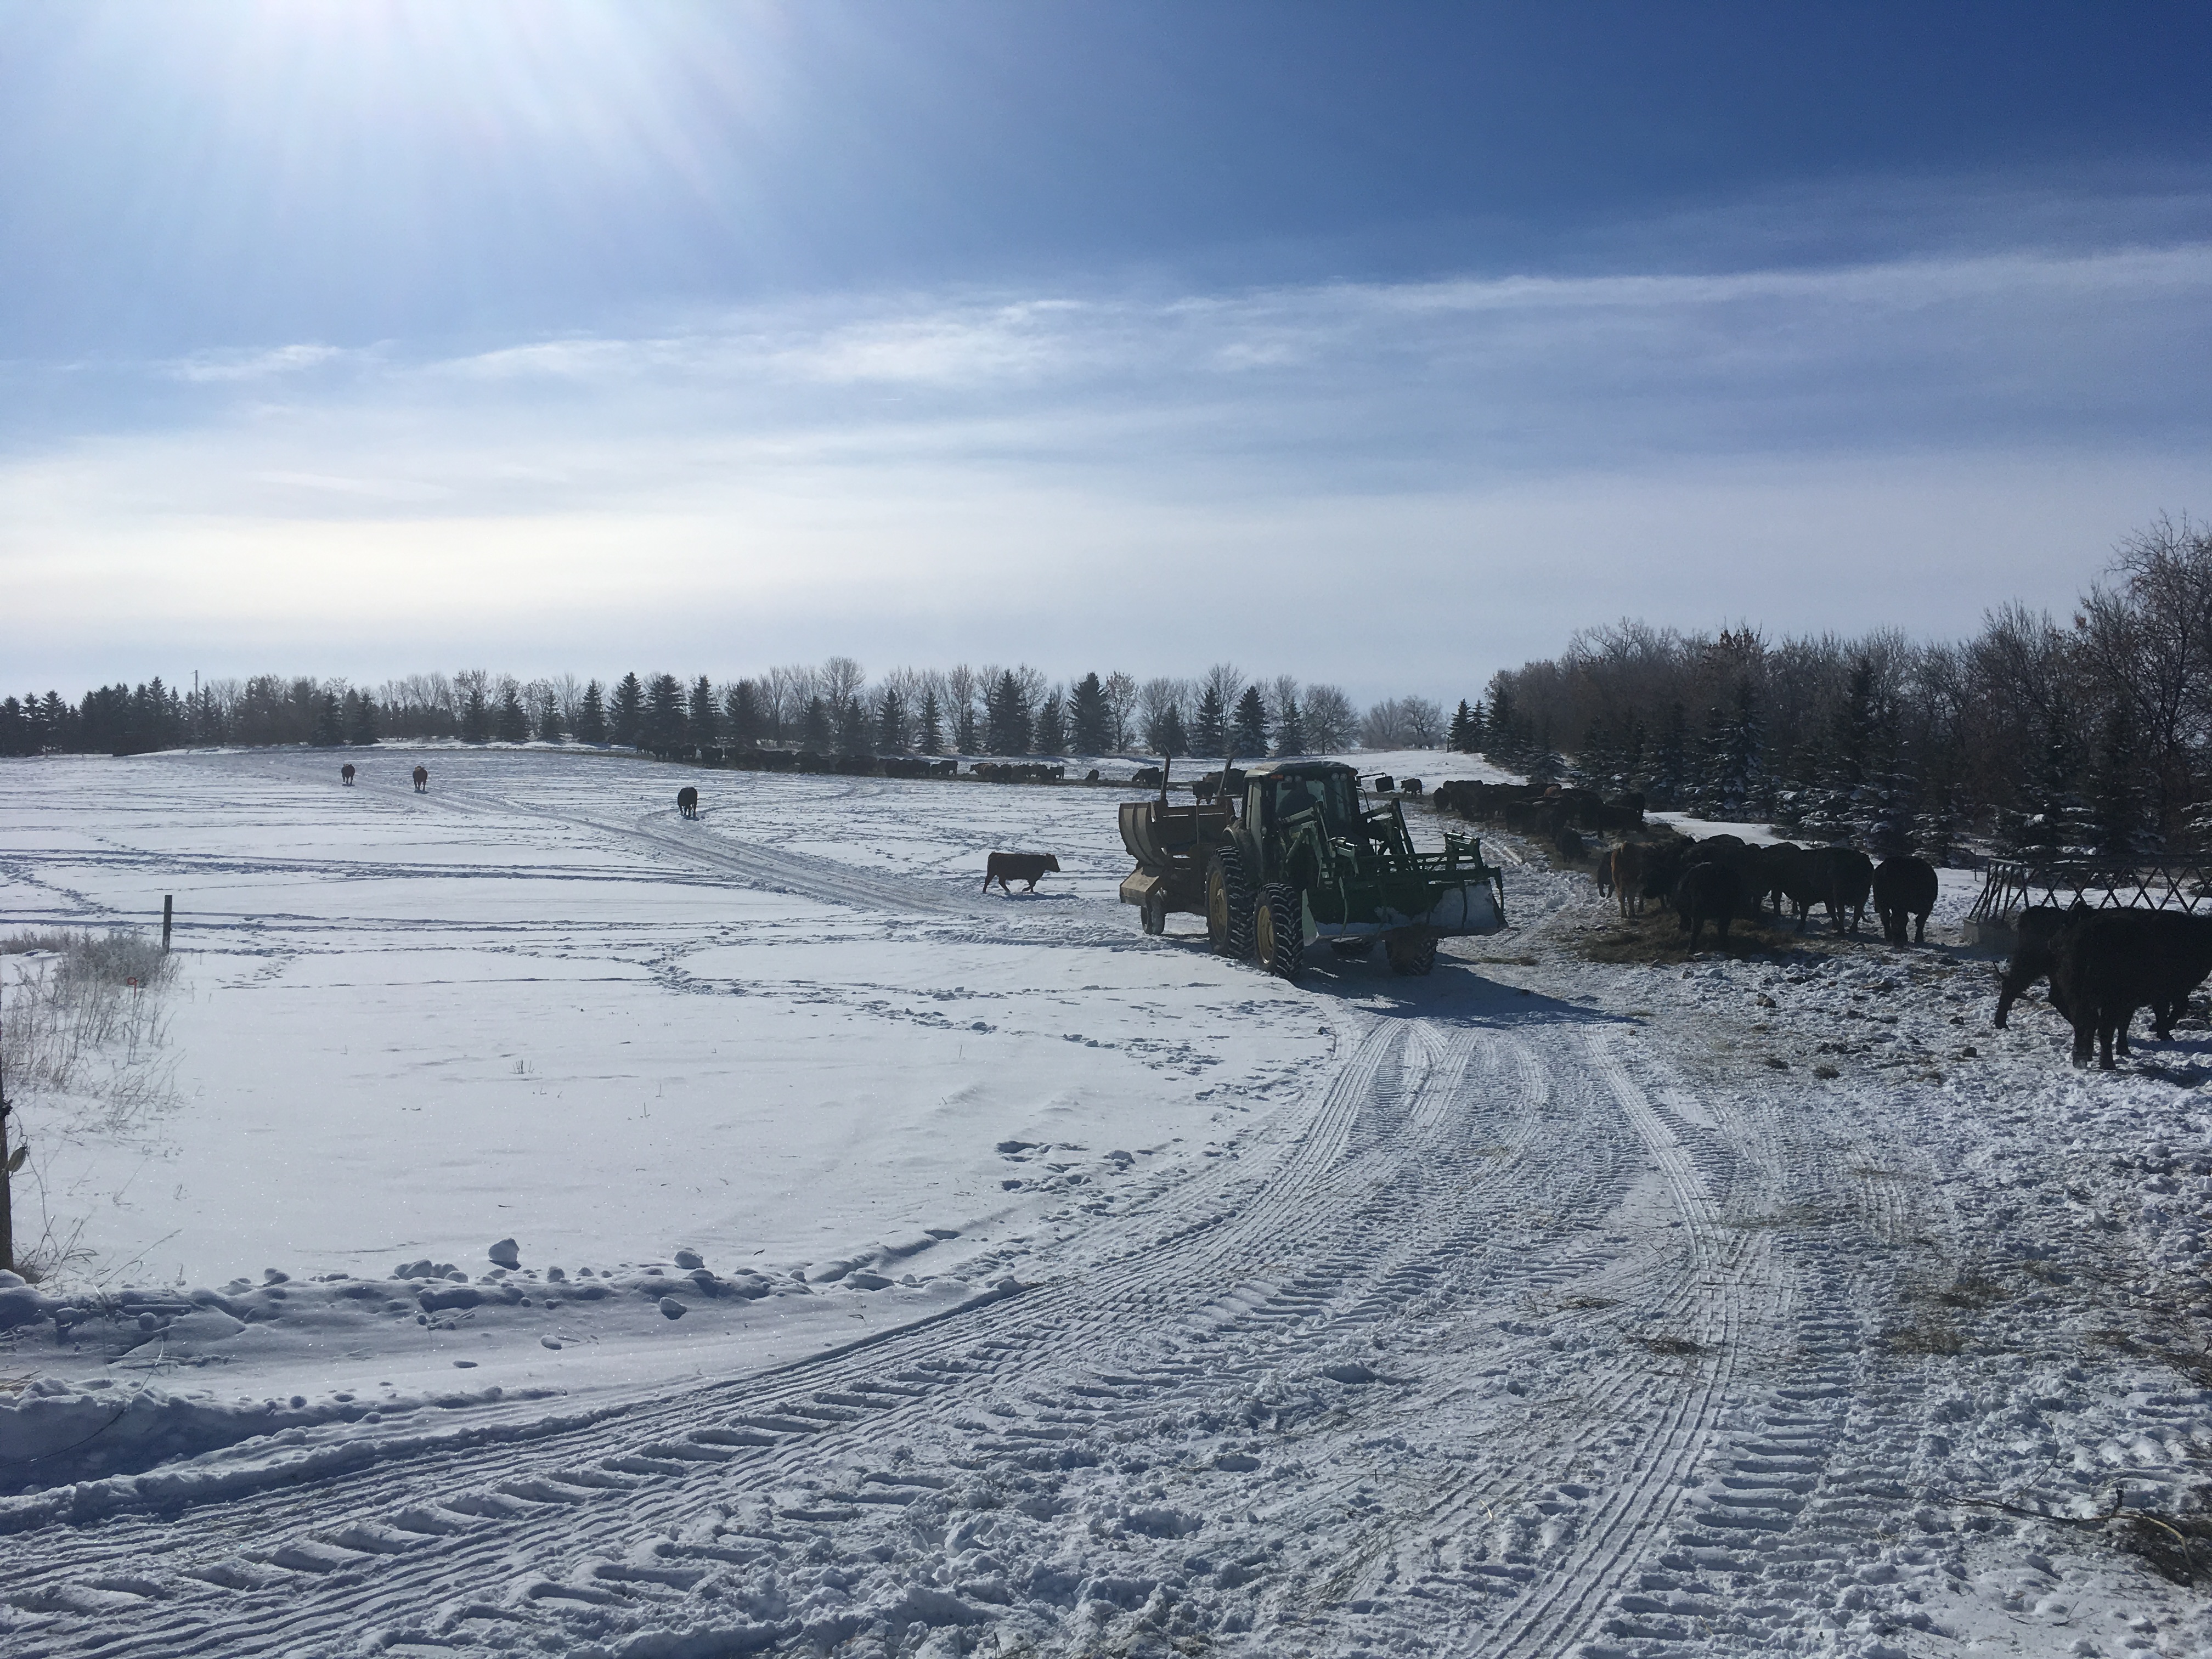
{"points": [[1284, 798], [1274, 795]]}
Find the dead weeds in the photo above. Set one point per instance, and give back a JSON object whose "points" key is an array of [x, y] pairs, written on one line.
{"points": [[1928, 1335], [2176, 1544]]}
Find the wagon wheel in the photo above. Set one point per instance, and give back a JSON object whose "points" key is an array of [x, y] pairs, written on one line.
{"points": [[1154, 912], [1228, 903], [1278, 934], [1414, 954], [1352, 949]]}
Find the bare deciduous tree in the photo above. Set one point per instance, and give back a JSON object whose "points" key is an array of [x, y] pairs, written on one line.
{"points": [[1120, 691], [1331, 725]]}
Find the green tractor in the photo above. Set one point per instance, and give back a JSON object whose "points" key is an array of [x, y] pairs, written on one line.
{"points": [[1306, 860]]}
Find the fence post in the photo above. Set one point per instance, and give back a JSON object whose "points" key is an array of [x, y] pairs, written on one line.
{"points": [[8, 1163], [168, 916]]}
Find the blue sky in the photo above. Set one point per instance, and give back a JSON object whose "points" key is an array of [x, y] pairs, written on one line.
{"points": [[1383, 344]]}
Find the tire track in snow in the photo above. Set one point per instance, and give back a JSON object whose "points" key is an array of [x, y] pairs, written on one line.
{"points": [[1515, 1564], [1447, 1171], [1391, 1081], [749, 862], [1620, 1536], [1136, 1282]]}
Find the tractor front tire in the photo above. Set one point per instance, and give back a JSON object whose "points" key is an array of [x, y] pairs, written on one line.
{"points": [[1278, 931], [1413, 954], [1229, 903]]}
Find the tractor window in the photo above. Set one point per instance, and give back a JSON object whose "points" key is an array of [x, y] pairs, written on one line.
{"points": [[1332, 794], [1294, 796], [1339, 803]]}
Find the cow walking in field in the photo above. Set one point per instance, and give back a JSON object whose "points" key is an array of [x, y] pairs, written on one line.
{"points": [[1018, 866], [687, 801], [422, 780], [345, 774]]}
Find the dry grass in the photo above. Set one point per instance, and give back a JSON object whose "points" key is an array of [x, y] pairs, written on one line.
{"points": [[1968, 1292], [2177, 1547], [88, 1019], [1934, 1328], [1927, 1334], [1656, 936]]}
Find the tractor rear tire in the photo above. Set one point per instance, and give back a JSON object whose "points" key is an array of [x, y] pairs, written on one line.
{"points": [[1413, 954], [1154, 914], [1278, 931], [1229, 903]]}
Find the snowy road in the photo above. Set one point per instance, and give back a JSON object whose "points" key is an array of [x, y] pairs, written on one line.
{"points": [[1530, 1309]]}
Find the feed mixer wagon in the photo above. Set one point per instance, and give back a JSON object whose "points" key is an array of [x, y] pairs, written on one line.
{"points": [[1306, 860]]}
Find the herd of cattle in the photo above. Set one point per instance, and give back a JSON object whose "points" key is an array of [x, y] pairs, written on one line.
{"points": [[1714, 880], [2103, 965], [869, 766]]}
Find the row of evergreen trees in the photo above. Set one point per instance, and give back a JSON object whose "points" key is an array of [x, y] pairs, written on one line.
{"points": [[1011, 711], [2091, 740]]}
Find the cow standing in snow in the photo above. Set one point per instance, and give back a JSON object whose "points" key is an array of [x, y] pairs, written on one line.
{"points": [[1019, 866], [1707, 892], [1625, 863], [1904, 889]]}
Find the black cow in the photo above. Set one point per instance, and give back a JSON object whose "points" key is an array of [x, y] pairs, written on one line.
{"points": [[1663, 864], [687, 801], [1739, 856], [345, 773], [2107, 963], [1707, 892], [1020, 867], [1838, 877], [1904, 887], [2034, 951], [1776, 865], [422, 780]]}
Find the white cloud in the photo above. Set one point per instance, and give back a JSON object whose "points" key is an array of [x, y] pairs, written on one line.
{"points": [[1402, 486], [215, 367]]}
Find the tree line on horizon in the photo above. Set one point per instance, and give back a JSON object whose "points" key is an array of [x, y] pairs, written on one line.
{"points": [[2089, 739], [830, 708]]}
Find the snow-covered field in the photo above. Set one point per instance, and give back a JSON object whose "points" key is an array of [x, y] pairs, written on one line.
{"points": [[970, 1273]]}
